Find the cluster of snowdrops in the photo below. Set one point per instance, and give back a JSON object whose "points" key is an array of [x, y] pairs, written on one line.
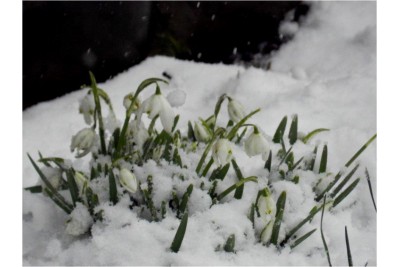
{"points": [[117, 152]]}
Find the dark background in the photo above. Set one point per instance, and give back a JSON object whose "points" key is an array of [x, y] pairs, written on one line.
{"points": [[63, 40]]}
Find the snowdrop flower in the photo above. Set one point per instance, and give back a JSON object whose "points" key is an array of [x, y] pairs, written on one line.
{"points": [[138, 132], [81, 182], [222, 152], [266, 205], [201, 133], [128, 180], [235, 110], [83, 142], [158, 105], [267, 232], [256, 144], [86, 107], [128, 101]]}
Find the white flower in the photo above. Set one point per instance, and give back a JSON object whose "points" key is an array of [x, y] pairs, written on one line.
{"points": [[256, 144], [201, 133], [81, 182], [83, 141], [267, 232], [158, 105], [86, 107], [80, 220], [222, 152], [266, 205], [128, 180], [53, 175], [235, 110], [138, 133], [128, 101]]}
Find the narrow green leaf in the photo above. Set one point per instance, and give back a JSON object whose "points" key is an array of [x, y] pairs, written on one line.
{"points": [[252, 214], [278, 136], [322, 234], [236, 185], [349, 258], [358, 153], [293, 130], [296, 164], [235, 128], [280, 207], [299, 240], [218, 105], [370, 188], [343, 183], [345, 193], [180, 234], [240, 137], [152, 123], [230, 244], [185, 198], [217, 133], [113, 188], [191, 132], [239, 175], [285, 156], [72, 186], [312, 133], [312, 162], [268, 163], [289, 160], [44, 162], [59, 203], [55, 195], [211, 191], [324, 160], [34, 189], [220, 173], [207, 168], [163, 209], [176, 119], [176, 159]]}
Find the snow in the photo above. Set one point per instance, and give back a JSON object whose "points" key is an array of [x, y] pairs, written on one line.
{"points": [[326, 75]]}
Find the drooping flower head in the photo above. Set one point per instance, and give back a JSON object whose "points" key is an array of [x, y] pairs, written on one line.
{"points": [[201, 133], [86, 108], [256, 144], [157, 104], [83, 141], [235, 110], [222, 151], [128, 101]]}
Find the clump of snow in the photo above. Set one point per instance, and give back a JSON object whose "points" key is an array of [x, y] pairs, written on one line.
{"points": [[326, 75]]}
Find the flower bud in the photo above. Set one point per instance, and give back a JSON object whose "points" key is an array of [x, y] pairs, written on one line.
{"points": [[267, 232], [86, 107], [235, 110], [222, 152], [128, 101], [81, 182], [83, 141], [201, 133], [266, 205], [128, 180], [256, 144]]}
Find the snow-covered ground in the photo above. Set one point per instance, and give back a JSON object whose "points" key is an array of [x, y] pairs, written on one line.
{"points": [[326, 75]]}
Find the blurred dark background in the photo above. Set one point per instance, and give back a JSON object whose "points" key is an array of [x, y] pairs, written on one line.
{"points": [[63, 40]]}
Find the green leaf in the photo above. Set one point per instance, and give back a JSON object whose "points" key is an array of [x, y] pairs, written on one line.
{"points": [[345, 193], [34, 189], [230, 244], [312, 161], [191, 132], [343, 183], [278, 136], [235, 128], [217, 133], [252, 214], [176, 158], [113, 188], [324, 160], [44, 162], [322, 234], [296, 164], [370, 188], [268, 163], [52, 192], [312, 133], [293, 130], [239, 175], [220, 173], [152, 123], [207, 168], [73, 187], [240, 137], [280, 207], [358, 153], [349, 258], [180, 234], [185, 198], [176, 119], [299, 240], [236, 185]]}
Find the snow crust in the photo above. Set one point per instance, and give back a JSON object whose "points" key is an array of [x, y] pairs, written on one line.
{"points": [[326, 75]]}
